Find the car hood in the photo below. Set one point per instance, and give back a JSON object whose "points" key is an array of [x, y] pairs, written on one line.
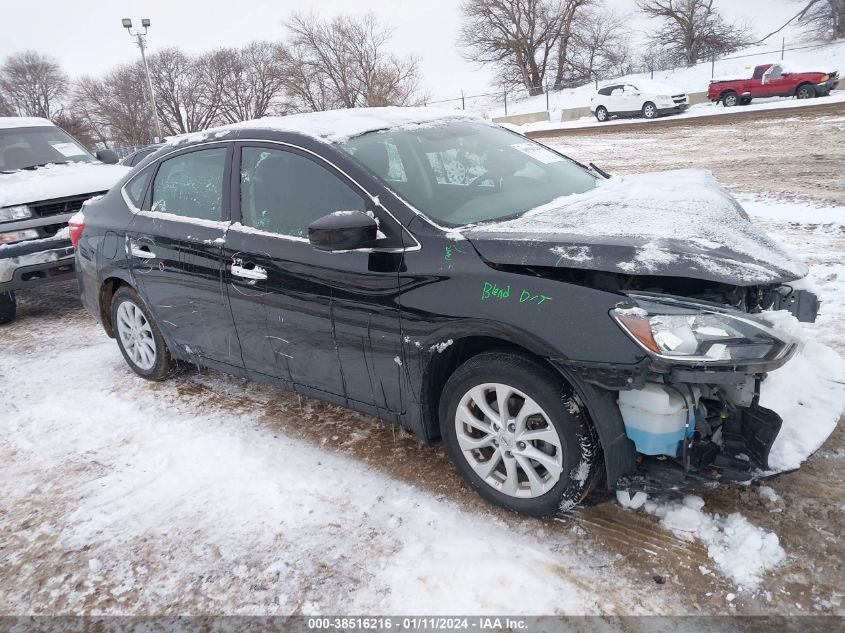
{"points": [[57, 181], [679, 223]]}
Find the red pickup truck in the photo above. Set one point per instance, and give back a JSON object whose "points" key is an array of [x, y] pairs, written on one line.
{"points": [[772, 80]]}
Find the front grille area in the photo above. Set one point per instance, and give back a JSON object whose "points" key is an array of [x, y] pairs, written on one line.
{"points": [[679, 98], [51, 229], [61, 205]]}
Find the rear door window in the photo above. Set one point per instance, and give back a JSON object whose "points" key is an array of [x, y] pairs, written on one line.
{"points": [[191, 184]]}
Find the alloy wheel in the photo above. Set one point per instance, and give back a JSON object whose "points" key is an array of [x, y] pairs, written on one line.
{"points": [[649, 111], [508, 440], [136, 335]]}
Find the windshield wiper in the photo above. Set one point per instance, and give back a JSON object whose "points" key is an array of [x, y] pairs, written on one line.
{"points": [[52, 162]]}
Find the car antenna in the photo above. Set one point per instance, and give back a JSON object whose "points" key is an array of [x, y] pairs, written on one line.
{"points": [[599, 170]]}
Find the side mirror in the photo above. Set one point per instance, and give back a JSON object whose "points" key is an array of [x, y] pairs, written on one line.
{"points": [[106, 156], [343, 231]]}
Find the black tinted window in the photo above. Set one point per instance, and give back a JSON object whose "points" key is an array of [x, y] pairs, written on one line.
{"points": [[137, 187], [191, 184], [283, 192]]}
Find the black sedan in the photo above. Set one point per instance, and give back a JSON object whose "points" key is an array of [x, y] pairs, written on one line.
{"points": [[434, 270]]}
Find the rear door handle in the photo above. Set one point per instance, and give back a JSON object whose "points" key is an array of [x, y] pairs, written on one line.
{"points": [[254, 272], [142, 251]]}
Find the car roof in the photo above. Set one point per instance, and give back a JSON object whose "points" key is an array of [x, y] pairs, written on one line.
{"points": [[334, 126], [24, 121]]}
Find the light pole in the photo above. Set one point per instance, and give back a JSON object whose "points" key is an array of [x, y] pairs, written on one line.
{"points": [[141, 41]]}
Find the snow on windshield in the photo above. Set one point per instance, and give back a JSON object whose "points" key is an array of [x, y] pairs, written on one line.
{"points": [[688, 206]]}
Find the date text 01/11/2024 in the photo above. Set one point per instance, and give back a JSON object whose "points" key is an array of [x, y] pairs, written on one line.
{"points": [[492, 291], [422, 623]]}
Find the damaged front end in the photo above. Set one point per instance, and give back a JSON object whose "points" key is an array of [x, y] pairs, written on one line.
{"points": [[694, 415]]}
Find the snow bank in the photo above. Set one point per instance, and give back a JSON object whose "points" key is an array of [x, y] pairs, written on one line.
{"points": [[686, 208], [808, 393], [741, 551], [796, 212]]}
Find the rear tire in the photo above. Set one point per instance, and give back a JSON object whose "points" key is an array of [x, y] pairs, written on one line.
{"points": [[138, 336], [602, 114], [806, 91], [649, 110], [8, 307], [497, 455], [730, 99]]}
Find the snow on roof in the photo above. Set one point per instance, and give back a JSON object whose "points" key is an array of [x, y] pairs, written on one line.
{"points": [[23, 121], [335, 126]]}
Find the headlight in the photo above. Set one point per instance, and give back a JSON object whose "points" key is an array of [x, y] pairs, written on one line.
{"points": [[19, 212], [663, 97], [691, 333], [825, 77], [18, 236]]}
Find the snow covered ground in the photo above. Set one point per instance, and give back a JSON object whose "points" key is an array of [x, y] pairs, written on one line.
{"points": [[207, 494], [694, 112]]}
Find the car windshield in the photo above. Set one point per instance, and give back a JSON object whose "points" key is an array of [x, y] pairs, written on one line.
{"points": [[465, 172], [25, 148]]}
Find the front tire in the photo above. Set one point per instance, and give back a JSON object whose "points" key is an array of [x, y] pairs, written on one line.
{"points": [[602, 114], [138, 336], [649, 110], [730, 99], [8, 307], [541, 457], [805, 92]]}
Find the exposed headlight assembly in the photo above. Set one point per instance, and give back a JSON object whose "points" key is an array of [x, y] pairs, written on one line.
{"points": [[701, 334], [18, 212]]}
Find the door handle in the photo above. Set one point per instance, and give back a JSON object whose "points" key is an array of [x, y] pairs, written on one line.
{"points": [[255, 272], [143, 252]]}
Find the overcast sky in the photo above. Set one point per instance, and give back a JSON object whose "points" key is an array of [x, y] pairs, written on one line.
{"points": [[86, 36]]}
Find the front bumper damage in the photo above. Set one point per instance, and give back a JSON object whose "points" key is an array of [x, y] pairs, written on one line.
{"points": [[692, 426], [35, 262]]}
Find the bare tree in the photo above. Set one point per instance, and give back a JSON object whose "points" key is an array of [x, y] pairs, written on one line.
{"points": [[5, 107], [345, 62], [33, 84], [517, 37], [77, 127], [599, 45], [824, 19], [115, 106], [692, 30], [252, 77], [571, 12], [186, 96]]}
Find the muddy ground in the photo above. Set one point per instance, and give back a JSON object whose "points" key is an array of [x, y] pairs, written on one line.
{"points": [[786, 154]]}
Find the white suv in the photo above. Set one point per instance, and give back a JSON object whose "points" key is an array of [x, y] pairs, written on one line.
{"points": [[623, 99]]}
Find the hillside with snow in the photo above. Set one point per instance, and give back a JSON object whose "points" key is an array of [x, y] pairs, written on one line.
{"points": [[824, 57]]}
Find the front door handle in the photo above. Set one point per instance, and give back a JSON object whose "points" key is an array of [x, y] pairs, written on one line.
{"points": [[254, 272], [142, 251]]}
